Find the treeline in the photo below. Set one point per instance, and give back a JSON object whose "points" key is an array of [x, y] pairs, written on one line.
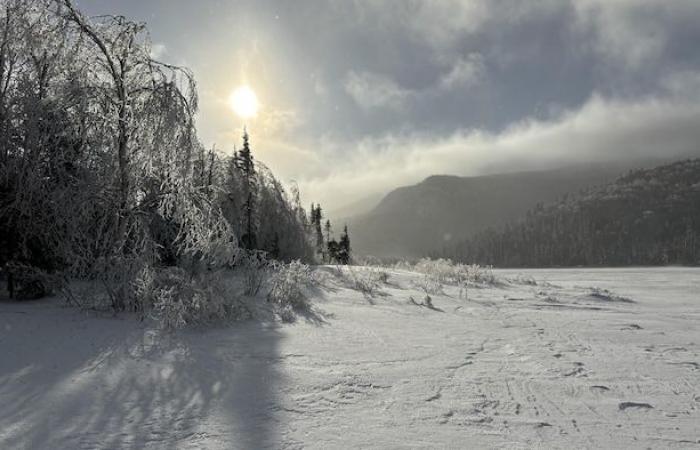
{"points": [[647, 217], [102, 175], [328, 249]]}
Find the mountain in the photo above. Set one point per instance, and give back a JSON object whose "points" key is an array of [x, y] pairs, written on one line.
{"points": [[340, 214], [646, 217], [416, 220]]}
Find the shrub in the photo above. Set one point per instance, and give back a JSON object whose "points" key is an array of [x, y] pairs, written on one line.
{"points": [[447, 272], [429, 284], [255, 268], [367, 280], [181, 300], [605, 295], [287, 284], [25, 282]]}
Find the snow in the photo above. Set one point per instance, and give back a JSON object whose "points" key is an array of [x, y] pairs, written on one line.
{"points": [[514, 366]]}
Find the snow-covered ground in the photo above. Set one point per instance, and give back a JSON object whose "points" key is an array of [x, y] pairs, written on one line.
{"points": [[552, 365]]}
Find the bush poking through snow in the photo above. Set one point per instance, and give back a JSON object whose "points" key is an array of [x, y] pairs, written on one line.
{"points": [[172, 296], [181, 300], [367, 280], [444, 271], [120, 283], [287, 314], [25, 282], [430, 284], [254, 266], [606, 295], [287, 284], [440, 272]]}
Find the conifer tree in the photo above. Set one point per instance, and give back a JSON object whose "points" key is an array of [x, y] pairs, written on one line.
{"points": [[333, 248], [243, 161], [312, 214], [318, 218], [344, 247], [328, 230]]}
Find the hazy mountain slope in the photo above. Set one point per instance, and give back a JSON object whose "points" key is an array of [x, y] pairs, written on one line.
{"points": [[340, 214], [415, 220]]}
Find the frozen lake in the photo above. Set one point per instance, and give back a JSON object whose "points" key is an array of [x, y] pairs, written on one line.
{"points": [[516, 365], [649, 285]]}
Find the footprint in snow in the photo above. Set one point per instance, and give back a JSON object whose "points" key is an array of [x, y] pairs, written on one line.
{"points": [[599, 388], [689, 364], [635, 405], [577, 371]]}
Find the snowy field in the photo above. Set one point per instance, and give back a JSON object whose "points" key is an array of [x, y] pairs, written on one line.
{"points": [[516, 365]]}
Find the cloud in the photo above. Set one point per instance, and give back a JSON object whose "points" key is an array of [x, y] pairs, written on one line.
{"points": [[466, 72], [602, 130], [442, 22], [371, 90], [633, 33], [683, 84]]}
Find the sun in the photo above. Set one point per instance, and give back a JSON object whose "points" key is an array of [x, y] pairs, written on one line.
{"points": [[244, 102]]}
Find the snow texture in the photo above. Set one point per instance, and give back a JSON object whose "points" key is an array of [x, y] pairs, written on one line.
{"points": [[554, 364]]}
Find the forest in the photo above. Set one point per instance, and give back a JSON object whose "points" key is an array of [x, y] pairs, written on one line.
{"points": [[104, 180], [646, 217]]}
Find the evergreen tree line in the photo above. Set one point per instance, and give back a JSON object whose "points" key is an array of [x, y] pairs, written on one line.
{"points": [[102, 175], [328, 249], [647, 217]]}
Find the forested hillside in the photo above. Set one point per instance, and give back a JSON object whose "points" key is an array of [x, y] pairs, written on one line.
{"points": [[413, 221], [647, 217]]}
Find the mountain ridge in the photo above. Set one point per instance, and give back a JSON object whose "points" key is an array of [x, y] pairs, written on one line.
{"points": [[416, 220]]}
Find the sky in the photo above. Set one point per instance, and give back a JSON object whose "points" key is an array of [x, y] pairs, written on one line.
{"points": [[360, 97]]}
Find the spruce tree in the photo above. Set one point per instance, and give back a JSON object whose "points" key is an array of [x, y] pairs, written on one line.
{"points": [[327, 228], [344, 247], [243, 161], [318, 216], [333, 248], [312, 215]]}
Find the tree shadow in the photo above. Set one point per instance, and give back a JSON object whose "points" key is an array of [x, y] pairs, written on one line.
{"points": [[68, 380]]}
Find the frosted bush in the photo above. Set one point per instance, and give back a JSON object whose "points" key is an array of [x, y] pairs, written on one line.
{"points": [[120, 283], [368, 281], [606, 295], [403, 265], [180, 300], [286, 314], [255, 267], [287, 284], [444, 271], [382, 276], [429, 284], [441, 270]]}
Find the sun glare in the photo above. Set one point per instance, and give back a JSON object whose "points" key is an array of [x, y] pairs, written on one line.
{"points": [[244, 102]]}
